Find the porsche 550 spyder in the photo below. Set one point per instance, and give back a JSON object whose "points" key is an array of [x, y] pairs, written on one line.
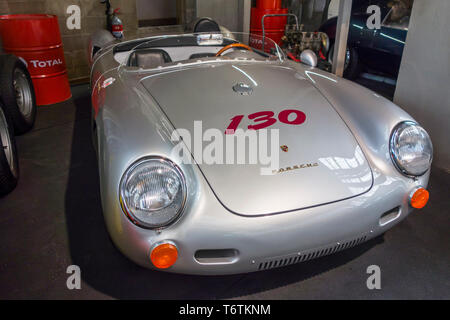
{"points": [[350, 164]]}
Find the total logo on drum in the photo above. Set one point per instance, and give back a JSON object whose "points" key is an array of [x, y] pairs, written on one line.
{"points": [[46, 63]]}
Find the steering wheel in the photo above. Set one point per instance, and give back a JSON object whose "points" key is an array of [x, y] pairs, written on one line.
{"points": [[233, 45]]}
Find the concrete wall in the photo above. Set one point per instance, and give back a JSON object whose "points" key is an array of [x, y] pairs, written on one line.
{"points": [[156, 9], [225, 12], [424, 79]]}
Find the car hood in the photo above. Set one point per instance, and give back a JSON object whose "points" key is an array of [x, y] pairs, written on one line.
{"points": [[322, 163]]}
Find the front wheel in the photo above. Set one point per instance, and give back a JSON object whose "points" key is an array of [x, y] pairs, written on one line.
{"points": [[352, 67], [9, 162], [17, 93]]}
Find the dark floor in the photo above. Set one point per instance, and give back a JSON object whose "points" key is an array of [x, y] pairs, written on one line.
{"points": [[384, 89], [53, 219]]}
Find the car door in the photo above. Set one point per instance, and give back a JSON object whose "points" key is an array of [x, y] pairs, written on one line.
{"points": [[389, 41], [360, 32], [365, 39]]}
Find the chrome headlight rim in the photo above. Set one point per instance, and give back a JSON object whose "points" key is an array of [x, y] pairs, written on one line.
{"points": [[325, 40], [392, 140], [124, 205]]}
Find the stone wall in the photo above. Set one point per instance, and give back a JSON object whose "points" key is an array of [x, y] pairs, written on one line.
{"points": [[92, 18], [75, 41]]}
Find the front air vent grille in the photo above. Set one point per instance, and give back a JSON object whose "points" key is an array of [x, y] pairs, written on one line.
{"points": [[292, 259]]}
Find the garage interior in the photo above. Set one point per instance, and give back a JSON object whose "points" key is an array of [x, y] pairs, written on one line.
{"points": [[54, 219]]}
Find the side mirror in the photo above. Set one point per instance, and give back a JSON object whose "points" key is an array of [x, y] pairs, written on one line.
{"points": [[309, 58]]}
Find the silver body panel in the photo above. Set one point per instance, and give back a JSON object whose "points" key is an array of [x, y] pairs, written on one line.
{"points": [[135, 117]]}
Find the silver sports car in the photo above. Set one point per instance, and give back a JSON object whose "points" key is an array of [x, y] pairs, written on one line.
{"points": [[217, 155]]}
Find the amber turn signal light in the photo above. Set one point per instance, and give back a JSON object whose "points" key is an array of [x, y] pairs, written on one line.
{"points": [[419, 198], [164, 255]]}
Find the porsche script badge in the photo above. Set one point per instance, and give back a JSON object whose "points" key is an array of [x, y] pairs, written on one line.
{"points": [[300, 166]]}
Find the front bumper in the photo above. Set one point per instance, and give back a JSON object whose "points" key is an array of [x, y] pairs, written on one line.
{"points": [[212, 240]]}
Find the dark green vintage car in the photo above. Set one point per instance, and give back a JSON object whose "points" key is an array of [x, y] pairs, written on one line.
{"points": [[379, 50]]}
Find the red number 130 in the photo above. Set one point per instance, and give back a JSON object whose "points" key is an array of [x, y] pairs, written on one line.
{"points": [[264, 119]]}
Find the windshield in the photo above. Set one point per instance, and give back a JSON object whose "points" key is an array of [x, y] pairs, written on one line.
{"points": [[174, 51], [398, 18]]}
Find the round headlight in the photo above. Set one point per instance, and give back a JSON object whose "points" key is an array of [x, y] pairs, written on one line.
{"points": [[411, 148], [153, 192]]}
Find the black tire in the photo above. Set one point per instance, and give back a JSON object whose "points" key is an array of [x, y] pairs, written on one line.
{"points": [[20, 104], [353, 67], [9, 160]]}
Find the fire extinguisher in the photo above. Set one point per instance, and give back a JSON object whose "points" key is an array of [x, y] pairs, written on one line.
{"points": [[116, 25], [113, 23]]}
